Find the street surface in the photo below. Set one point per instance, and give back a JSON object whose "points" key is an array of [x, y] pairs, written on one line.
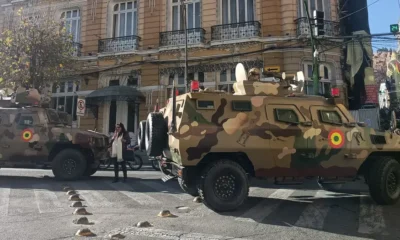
{"points": [[34, 206]]}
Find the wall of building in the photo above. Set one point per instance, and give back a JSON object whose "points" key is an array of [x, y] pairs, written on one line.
{"points": [[277, 28]]}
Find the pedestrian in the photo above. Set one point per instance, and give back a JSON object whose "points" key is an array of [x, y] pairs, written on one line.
{"points": [[119, 143]]}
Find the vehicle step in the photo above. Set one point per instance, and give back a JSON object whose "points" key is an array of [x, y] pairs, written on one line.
{"points": [[167, 178], [287, 181], [332, 182]]}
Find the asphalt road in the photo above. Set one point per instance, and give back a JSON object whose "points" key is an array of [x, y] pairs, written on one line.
{"points": [[34, 206]]}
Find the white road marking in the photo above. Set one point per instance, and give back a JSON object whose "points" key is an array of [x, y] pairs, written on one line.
{"points": [[315, 213], [46, 200], [265, 207], [174, 235], [92, 197], [164, 188], [371, 219], [4, 200], [139, 197]]}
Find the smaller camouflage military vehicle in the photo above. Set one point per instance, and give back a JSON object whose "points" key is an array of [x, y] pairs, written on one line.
{"points": [[32, 136], [213, 142]]}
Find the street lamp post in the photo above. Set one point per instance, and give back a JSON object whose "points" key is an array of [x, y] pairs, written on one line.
{"points": [[183, 8]]}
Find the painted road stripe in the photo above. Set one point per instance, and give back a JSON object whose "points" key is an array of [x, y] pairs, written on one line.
{"points": [[130, 192], [164, 188], [92, 197], [174, 235], [4, 200], [46, 200], [315, 213], [370, 219], [265, 207]]}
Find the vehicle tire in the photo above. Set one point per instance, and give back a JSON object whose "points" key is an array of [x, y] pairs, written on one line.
{"points": [[190, 189], [156, 134], [89, 172], [141, 135], [69, 164], [136, 163], [156, 165], [331, 187], [223, 186], [384, 181]]}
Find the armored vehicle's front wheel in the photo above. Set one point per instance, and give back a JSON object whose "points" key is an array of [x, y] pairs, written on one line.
{"points": [[90, 171], [223, 185], [384, 181], [69, 164], [188, 187], [140, 135]]}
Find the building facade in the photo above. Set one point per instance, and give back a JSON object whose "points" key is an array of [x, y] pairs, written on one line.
{"points": [[141, 44]]}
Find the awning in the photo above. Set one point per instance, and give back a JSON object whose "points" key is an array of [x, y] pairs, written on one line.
{"points": [[114, 93]]}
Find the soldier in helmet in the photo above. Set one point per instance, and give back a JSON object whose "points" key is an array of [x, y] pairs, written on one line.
{"points": [[254, 75]]}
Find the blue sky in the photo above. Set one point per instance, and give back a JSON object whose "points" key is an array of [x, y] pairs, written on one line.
{"points": [[381, 14]]}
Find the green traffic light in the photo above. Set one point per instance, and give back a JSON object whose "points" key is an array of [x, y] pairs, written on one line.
{"points": [[394, 28]]}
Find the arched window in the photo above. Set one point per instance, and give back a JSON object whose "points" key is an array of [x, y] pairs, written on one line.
{"points": [[325, 75], [237, 11], [192, 12], [125, 19], [72, 22]]}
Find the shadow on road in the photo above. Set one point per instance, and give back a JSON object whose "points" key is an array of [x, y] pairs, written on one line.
{"points": [[338, 212]]}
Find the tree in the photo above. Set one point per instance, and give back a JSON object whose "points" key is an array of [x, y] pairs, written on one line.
{"points": [[35, 51]]}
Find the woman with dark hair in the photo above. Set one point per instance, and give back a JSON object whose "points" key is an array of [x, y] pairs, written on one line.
{"points": [[119, 143]]}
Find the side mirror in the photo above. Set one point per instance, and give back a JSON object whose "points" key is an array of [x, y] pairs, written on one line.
{"points": [[362, 124], [393, 121]]}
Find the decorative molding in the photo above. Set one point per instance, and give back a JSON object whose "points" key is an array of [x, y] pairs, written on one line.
{"points": [[258, 63]]}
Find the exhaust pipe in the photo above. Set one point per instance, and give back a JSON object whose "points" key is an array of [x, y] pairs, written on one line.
{"points": [[173, 122]]}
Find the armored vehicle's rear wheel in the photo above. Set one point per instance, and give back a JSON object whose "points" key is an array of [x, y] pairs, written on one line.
{"points": [[224, 186], [69, 164], [141, 132], [156, 134], [384, 181]]}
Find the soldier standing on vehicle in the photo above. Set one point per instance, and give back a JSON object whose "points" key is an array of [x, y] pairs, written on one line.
{"points": [[119, 144]]}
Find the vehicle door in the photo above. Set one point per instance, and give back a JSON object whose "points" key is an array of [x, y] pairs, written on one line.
{"points": [[5, 136], [28, 142], [289, 147], [331, 144]]}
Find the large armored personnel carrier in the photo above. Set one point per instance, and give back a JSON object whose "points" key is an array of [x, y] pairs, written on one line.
{"points": [[213, 142], [32, 135]]}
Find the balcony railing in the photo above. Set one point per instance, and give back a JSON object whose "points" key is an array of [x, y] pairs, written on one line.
{"points": [[236, 31], [77, 49], [177, 38], [119, 44], [303, 30]]}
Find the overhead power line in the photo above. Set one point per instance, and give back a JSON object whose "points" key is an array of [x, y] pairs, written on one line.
{"points": [[348, 15]]}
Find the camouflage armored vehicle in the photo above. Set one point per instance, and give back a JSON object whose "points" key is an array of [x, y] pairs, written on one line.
{"points": [[214, 142], [32, 135]]}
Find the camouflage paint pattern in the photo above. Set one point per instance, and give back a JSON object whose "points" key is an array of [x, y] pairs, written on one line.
{"points": [[34, 142], [275, 148]]}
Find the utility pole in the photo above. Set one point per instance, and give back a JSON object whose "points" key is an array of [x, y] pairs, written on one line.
{"points": [[314, 53], [183, 8]]}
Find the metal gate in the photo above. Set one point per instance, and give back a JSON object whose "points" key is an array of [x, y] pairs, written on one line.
{"points": [[369, 116]]}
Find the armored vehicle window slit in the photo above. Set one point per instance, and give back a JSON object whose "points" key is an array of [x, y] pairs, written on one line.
{"points": [[241, 106], [286, 116], [330, 117], [205, 104]]}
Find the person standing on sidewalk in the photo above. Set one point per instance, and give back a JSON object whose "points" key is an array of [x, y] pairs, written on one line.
{"points": [[119, 144]]}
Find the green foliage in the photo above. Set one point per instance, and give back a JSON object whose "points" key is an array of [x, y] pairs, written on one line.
{"points": [[35, 52]]}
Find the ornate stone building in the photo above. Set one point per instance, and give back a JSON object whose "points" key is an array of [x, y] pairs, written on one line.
{"points": [[140, 44]]}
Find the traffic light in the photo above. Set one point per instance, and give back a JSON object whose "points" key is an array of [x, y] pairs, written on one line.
{"points": [[318, 23], [394, 28]]}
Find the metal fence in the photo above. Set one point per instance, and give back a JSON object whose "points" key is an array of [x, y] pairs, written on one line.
{"points": [[369, 116]]}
